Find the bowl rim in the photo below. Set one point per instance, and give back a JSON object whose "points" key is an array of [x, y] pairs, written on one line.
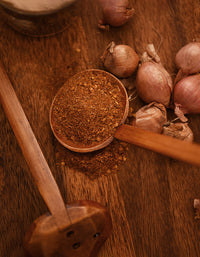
{"points": [[11, 7]]}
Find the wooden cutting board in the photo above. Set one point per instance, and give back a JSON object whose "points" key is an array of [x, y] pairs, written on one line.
{"points": [[150, 197]]}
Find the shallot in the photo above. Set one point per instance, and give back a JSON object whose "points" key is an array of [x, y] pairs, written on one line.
{"points": [[153, 82], [115, 12], [187, 60], [179, 130], [187, 96], [121, 60], [197, 208], [151, 117]]}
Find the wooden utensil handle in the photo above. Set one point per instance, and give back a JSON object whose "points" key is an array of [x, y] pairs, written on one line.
{"points": [[166, 145], [32, 152]]}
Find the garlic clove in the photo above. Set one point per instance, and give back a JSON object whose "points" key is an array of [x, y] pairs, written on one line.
{"points": [[179, 130], [151, 117]]}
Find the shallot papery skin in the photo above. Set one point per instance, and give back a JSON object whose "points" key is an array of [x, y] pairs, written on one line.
{"points": [[179, 130], [188, 60], [154, 83], [151, 117], [187, 96], [120, 60], [115, 12]]}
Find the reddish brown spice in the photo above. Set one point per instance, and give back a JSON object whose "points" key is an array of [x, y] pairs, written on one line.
{"points": [[106, 161], [88, 108]]}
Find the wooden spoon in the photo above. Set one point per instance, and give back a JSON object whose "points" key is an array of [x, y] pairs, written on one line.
{"points": [[172, 147], [166, 145], [74, 230]]}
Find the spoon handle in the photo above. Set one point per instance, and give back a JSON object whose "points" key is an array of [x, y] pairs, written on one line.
{"points": [[166, 145], [32, 152]]}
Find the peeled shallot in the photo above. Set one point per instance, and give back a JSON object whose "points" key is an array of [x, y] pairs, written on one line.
{"points": [[115, 12], [187, 96], [153, 82], [188, 60]]}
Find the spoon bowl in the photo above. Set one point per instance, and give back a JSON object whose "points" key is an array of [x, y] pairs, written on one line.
{"points": [[82, 145]]}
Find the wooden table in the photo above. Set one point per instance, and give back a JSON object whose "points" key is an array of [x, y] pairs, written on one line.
{"points": [[150, 198]]}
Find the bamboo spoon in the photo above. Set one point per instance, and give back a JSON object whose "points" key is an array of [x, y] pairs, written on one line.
{"points": [[75, 230], [169, 146], [180, 150]]}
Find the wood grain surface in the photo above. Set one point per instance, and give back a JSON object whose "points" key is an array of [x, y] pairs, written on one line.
{"points": [[150, 198]]}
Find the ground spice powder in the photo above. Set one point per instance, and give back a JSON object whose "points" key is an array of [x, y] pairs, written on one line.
{"points": [[88, 108], [106, 161]]}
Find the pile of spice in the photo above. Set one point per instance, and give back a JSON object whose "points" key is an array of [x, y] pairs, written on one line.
{"points": [[88, 109], [103, 162]]}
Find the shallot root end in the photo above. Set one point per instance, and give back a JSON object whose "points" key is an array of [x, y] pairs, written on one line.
{"points": [[103, 26]]}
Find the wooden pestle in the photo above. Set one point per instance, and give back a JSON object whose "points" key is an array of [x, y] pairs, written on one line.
{"points": [[32, 152]]}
